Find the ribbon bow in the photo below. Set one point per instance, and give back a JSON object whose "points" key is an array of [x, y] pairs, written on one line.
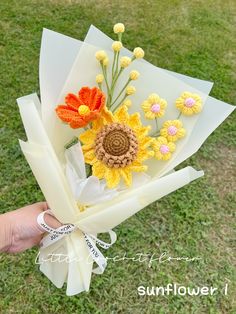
{"points": [[90, 240]]}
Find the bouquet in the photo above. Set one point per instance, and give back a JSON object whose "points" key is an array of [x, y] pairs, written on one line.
{"points": [[103, 143]]}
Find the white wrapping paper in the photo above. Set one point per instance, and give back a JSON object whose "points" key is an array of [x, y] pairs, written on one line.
{"points": [[65, 65]]}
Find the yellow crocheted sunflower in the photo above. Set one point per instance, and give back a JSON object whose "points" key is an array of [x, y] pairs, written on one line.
{"points": [[116, 145], [163, 148], [172, 130], [189, 103], [154, 107]]}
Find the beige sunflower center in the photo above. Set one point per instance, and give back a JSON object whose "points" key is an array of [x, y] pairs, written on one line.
{"points": [[116, 145]]}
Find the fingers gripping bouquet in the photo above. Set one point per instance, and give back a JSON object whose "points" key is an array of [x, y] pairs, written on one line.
{"points": [[104, 142]]}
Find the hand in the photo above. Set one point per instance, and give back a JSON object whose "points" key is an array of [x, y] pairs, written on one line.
{"points": [[19, 230]]}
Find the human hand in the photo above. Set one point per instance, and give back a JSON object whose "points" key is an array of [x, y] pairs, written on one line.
{"points": [[19, 229]]}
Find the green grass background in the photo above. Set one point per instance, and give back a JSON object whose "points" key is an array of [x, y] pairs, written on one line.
{"points": [[194, 37]]}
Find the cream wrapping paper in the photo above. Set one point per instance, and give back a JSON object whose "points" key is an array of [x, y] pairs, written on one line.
{"points": [[47, 137]]}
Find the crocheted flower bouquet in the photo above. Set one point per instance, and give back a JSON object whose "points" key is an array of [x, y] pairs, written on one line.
{"points": [[104, 142]]}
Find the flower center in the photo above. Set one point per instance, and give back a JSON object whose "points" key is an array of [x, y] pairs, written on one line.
{"points": [[83, 110], [164, 149], [155, 108], [172, 130], [116, 145], [189, 102]]}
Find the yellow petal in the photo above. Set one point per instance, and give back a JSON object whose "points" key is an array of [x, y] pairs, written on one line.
{"points": [[90, 157], [134, 120], [197, 108], [107, 116], [142, 131], [141, 168], [87, 148], [112, 177], [150, 115], [177, 123], [166, 156], [171, 147], [144, 154], [160, 113], [181, 132], [163, 103], [187, 111], [145, 142], [153, 98], [122, 115], [99, 170], [162, 140], [146, 106], [158, 155], [164, 132], [127, 176], [87, 137]]}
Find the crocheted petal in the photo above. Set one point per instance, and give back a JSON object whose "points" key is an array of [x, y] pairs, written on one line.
{"points": [[142, 131], [166, 156], [73, 101], [87, 137], [127, 176], [84, 95], [122, 115], [99, 170], [91, 116], [138, 167], [90, 157], [144, 154], [112, 177], [96, 99], [77, 122], [134, 120], [107, 116], [150, 115], [65, 114], [197, 108], [159, 155], [171, 146], [145, 142], [99, 101]]}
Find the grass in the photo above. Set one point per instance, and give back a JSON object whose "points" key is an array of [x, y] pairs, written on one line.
{"points": [[196, 38]]}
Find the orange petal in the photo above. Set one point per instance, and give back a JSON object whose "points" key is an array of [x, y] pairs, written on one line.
{"points": [[92, 97], [65, 114], [91, 116], [73, 101], [77, 122], [84, 95]]}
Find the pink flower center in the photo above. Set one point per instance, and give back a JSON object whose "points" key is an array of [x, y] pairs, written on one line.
{"points": [[172, 130], [164, 149], [189, 102], [155, 108]]}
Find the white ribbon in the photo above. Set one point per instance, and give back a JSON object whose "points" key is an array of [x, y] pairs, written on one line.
{"points": [[55, 235]]}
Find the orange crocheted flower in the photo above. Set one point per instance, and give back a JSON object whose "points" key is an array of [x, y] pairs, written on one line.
{"points": [[82, 108]]}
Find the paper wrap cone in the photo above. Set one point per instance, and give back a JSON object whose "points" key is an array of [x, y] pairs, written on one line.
{"points": [[69, 260]]}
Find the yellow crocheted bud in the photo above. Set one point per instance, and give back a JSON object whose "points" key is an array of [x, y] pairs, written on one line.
{"points": [[117, 45], [99, 78], [134, 75], [105, 62], [100, 55], [83, 110], [119, 28], [138, 53], [130, 90], [127, 103], [125, 62]]}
